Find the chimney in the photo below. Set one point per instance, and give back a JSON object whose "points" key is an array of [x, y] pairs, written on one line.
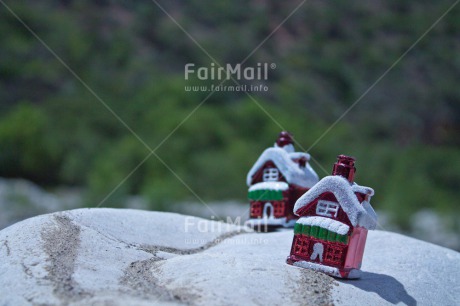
{"points": [[284, 139], [345, 166]]}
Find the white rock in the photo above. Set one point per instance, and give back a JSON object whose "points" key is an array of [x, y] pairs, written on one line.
{"points": [[130, 257], [398, 269]]}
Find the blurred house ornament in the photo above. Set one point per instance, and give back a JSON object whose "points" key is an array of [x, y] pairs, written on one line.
{"points": [[277, 179], [335, 216]]}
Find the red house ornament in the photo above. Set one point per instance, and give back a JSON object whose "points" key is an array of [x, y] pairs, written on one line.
{"points": [[277, 179], [335, 216]]}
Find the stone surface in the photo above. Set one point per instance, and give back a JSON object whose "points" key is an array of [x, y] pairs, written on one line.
{"points": [[402, 270], [133, 257]]}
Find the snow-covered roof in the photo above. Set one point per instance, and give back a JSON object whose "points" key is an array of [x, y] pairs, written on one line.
{"points": [[294, 174], [278, 186], [295, 155], [362, 189], [326, 223], [359, 214]]}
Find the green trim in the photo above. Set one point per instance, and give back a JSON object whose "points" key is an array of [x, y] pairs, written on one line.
{"points": [[320, 233], [265, 195], [306, 230], [342, 238], [297, 228], [331, 236], [314, 231]]}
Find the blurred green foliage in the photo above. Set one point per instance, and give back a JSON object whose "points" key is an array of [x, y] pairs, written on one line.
{"points": [[404, 132]]}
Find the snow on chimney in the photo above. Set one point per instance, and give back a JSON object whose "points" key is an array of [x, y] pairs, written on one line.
{"points": [[285, 141]]}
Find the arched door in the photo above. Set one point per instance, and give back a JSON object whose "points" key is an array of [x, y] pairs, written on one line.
{"points": [[268, 211]]}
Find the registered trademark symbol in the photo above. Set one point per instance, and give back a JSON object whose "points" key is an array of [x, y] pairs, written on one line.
{"points": [[272, 65]]}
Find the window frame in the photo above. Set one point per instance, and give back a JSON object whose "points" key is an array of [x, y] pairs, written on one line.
{"points": [[271, 174], [327, 208]]}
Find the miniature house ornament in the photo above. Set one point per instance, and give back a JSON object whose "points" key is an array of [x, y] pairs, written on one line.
{"points": [[277, 179], [335, 216]]}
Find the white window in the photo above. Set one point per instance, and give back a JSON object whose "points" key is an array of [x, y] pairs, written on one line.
{"points": [[270, 175], [327, 208]]}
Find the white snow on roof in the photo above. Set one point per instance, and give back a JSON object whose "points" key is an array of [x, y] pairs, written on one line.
{"points": [[281, 186], [294, 174], [289, 147], [359, 214], [326, 223], [362, 189], [299, 155]]}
